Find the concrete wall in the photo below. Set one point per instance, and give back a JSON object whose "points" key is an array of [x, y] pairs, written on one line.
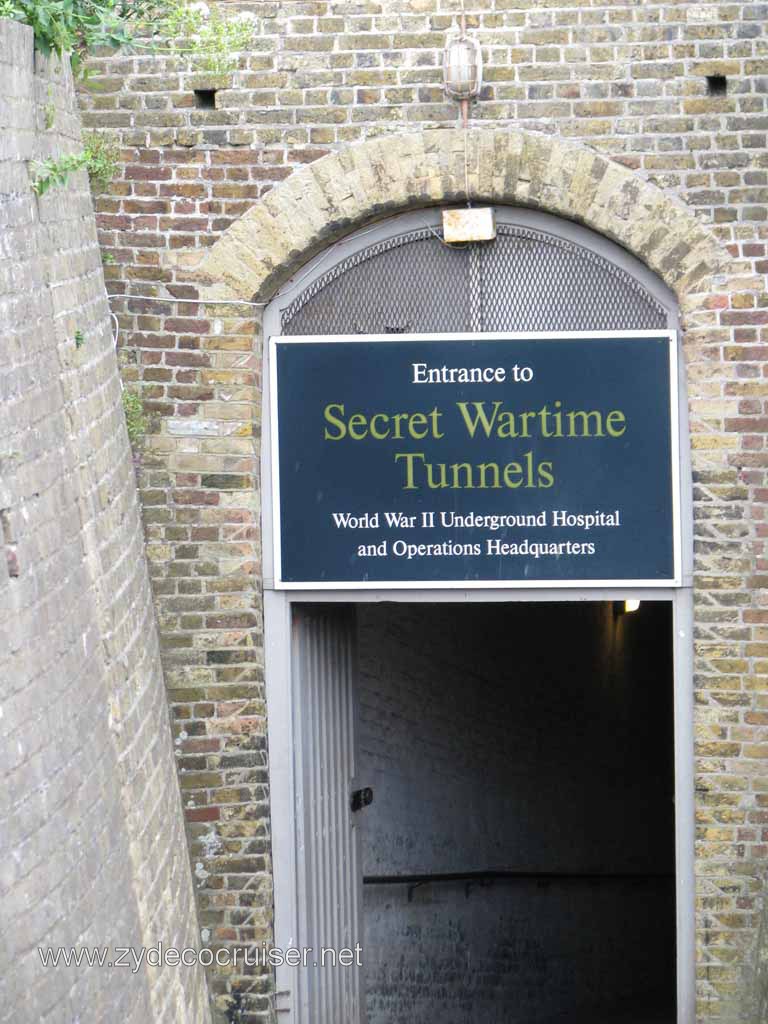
{"points": [[526, 738], [92, 849]]}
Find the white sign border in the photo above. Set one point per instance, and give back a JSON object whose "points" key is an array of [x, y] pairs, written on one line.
{"points": [[618, 335]]}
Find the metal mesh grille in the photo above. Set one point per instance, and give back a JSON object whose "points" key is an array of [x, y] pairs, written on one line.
{"points": [[534, 282], [526, 280], [406, 284]]}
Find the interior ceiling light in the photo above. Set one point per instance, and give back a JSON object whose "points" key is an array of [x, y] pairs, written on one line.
{"points": [[622, 607]]}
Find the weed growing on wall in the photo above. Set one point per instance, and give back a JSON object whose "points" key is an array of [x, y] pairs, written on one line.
{"points": [[135, 420], [100, 158], [206, 38], [53, 172]]}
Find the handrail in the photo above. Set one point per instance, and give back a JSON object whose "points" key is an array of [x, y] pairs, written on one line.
{"points": [[481, 876]]}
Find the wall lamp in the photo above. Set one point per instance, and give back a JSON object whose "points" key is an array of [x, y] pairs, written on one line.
{"points": [[462, 67]]}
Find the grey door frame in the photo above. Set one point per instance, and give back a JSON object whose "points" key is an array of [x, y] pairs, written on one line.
{"points": [[282, 708]]}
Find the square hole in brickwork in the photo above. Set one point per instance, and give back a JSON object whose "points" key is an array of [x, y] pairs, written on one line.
{"points": [[205, 99], [717, 85]]}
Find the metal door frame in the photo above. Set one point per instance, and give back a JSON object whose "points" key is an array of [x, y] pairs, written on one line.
{"points": [[282, 710]]}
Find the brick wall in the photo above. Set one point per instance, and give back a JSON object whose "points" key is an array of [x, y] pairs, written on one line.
{"points": [[625, 80], [91, 830]]}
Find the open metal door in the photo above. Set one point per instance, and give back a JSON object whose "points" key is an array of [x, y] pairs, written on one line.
{"points": [[329, 876]]}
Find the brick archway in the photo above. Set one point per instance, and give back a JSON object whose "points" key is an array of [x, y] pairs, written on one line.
{"points": [[331, 197]]}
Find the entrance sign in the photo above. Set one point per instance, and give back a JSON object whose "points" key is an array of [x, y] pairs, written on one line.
{"points": [[475, 460]]}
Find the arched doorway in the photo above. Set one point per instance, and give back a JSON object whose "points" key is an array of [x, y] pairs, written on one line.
{"points": [[540, 274]]}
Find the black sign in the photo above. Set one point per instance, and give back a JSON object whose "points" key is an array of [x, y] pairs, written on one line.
{"points": [[478, 460]]}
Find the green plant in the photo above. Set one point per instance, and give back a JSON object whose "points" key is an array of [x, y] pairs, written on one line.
{"points": [[108, 259], [210, 40], [77, 26], [99, 157], [207, 38], [52, 173], [102, 157], [79, 338], [134, 416]]}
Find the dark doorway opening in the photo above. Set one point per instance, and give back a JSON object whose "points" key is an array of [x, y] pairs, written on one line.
{"points": [[518, 854]]}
